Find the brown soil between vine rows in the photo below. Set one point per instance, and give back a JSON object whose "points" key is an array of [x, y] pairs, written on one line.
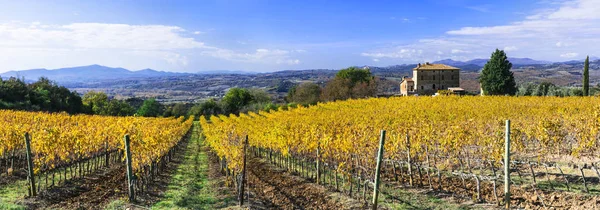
{"points": [[522, 197], [274, 188], [105, 185]]}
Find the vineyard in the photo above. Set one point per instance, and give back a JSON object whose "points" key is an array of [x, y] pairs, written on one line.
{"points": [[449, 144], [53, 148]]}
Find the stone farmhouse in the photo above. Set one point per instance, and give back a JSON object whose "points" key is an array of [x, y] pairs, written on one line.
{"points": [[428, 78]]}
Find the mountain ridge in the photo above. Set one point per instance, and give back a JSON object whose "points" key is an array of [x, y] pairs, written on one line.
{"points": [[97, 72], [86, 73]]}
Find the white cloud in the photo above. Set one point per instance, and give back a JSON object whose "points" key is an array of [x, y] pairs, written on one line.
{"points": [[569, 55], [510, 48], [423, 50], [95, 35], [564, 44], [198, 32], [457, 51], [258, 56], [397, 53], [31, 45], [375, 59], [577, 10], [550, 33]]}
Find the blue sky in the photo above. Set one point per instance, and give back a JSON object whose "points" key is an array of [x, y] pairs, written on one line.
{"points": [[255, 35]]}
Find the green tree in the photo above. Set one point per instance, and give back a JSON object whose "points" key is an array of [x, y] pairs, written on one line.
{"points": [[179, 109], [337, 89], [576, 92], [259, 96], [136, 103], [270, 106], [42, 95], [350, 83], [355, 75], [206, 109], [306, 93], [118, 108], [96, 101], [543, 89], [586, 77], [14, 91], [526, 89], [235, 99], [150, 108], [496, 77]]}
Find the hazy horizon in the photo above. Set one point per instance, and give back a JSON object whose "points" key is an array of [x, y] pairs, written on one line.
{"points": [[262, 36]]}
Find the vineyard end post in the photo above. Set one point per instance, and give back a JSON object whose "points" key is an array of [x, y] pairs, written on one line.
{"points": [[378, 169], [129, 169], [318, 162], [32, 191], [106, 154], [243, 181], [507, 166]]}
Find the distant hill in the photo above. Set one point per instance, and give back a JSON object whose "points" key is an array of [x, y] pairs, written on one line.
{"points": [[225, 72], [87, 73], [482, 62]]}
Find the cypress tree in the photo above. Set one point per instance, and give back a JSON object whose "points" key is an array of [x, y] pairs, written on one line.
{"points": [[496, 77], [586, 77]]}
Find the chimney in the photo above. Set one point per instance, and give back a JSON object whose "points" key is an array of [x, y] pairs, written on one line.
{"points": [[419, 65], [426, 63]]}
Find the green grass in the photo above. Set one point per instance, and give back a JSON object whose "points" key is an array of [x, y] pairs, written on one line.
{"points": [[11, 193], [577, 187], [405, 199], [190, 187], [116, 205]]}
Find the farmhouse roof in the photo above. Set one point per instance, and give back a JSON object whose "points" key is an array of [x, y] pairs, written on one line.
{"points": [[434, 66]]}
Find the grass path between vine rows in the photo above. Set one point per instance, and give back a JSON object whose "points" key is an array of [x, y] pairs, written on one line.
{"points": [[191, 186], [11, 193]]}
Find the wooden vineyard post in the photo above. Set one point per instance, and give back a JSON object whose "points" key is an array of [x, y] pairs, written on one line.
{"points": [[378, 169], [106, 154], [243, 181], [507, 166], [585, 187], [318, 163], [32, 191], [409, 161], [129, 169]]}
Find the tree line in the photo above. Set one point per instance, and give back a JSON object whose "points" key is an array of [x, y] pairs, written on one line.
{"points": [[46, 95], [348, 83], [42, 95], [497, 79]]}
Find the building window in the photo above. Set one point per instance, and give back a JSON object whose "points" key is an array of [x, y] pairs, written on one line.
{"points": [[421, 77], [442, 86], [433, 77], [442, 77], [422, 88], [453, 77], [433, 86]]}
